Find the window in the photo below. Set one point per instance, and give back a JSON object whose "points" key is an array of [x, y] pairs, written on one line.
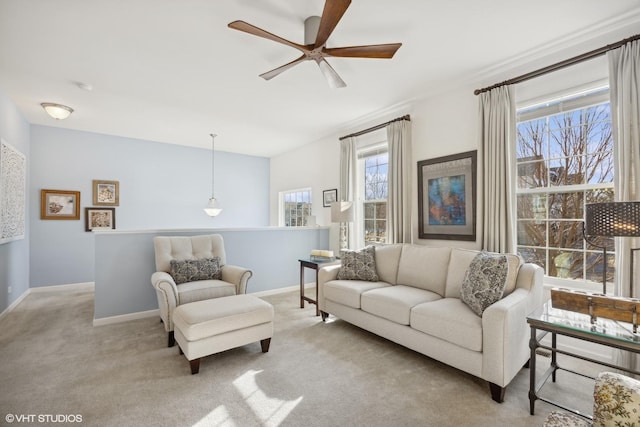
{"points": [[564, 161], [374, 164], [295, 207]]}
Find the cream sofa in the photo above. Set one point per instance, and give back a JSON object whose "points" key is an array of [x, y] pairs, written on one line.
{"points": [[417, 303]]}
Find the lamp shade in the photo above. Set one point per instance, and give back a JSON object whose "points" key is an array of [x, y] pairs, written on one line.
{"points": [[342, 212], [57, 111], [612, 219]]}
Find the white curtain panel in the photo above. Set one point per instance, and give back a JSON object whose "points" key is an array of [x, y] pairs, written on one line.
{"points": [[498, 137], [624, 79], [624, 82], [399, 224], [348, 176]]}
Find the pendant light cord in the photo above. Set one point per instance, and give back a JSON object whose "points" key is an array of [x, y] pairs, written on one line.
{"points": [[213, 151]]}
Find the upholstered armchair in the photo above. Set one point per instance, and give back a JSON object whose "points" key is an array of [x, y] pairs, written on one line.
{"points": [[616, 402], [190, 269]]}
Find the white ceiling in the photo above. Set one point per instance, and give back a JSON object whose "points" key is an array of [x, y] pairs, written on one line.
{"points": [[171, 71]]}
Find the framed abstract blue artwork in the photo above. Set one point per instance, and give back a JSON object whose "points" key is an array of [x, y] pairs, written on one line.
{"points": [[447, 197]]}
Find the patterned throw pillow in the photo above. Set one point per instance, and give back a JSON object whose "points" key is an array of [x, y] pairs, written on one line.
{"points": [[616, 400], [191, 270], [358, 265], [484, 281]]}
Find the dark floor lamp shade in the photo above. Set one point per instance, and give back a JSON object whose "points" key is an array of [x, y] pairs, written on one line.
{"points": [[613, 219]]}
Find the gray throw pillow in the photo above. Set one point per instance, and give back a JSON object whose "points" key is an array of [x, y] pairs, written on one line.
{"points": [[191, 270], [358, 265], [484, 281]]}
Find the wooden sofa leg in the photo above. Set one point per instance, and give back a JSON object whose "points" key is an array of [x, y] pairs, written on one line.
{"points": [[195, 366], [324, 315], [265, 343], [170, 339], [497, 392]]}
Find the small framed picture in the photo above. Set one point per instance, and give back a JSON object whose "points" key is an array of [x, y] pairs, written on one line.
{"points": [[100, 218], [59, 204], [106, 193], [329, 196]]}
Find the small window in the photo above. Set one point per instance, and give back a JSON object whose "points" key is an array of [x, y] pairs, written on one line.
{"points": [[295, 207], [375, 166]]}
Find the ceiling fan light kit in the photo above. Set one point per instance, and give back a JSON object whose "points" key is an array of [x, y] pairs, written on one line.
{"points": [[317, 30]]}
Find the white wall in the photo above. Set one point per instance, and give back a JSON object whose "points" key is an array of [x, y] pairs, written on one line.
{"points": [[442, 124]]}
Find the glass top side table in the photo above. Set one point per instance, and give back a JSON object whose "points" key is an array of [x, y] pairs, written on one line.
{"points": [[547, 319]]}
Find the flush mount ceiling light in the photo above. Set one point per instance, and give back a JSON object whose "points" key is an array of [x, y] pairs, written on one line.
{"points": [[211, 209], [57, 111]]}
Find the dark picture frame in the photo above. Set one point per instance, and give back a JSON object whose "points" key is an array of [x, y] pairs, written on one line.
{"points": [[100, 219], [59, 204], [447, 197], [329, 196]]}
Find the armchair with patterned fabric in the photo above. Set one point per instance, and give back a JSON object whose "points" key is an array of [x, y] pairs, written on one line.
{"points": [[190, 269], [616, 403]]}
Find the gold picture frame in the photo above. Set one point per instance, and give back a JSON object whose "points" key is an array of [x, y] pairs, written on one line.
{"points": [[106, 193], [59, 204]]}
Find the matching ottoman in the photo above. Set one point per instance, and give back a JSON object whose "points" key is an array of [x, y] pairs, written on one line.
{"points": [[211, 326]]}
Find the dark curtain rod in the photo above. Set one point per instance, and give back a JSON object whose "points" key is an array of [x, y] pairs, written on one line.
{"points": [[371, 129], [561, 64]]}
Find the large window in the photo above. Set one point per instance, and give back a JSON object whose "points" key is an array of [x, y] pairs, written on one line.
{"points": [[374, 164], [564, 161], [295, 207]]}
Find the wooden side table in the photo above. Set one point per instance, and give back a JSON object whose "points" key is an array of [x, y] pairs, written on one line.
{"points": [[314, 265]]}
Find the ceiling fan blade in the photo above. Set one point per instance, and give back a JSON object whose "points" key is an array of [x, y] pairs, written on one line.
{"points": [[330, 74], [271, 74], [331, 15], [383, 51], [252, 29]]}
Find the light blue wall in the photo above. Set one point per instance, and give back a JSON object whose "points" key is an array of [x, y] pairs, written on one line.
{"points": [[14, 256], [126, 261], [161, 186]]}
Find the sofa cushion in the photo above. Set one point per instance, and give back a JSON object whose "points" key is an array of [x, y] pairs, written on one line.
{"points": [[395, 302], [347, 292], [449, 319], [204, 289], [358, 265], [190, 270], [484, 281], [424, 267], [459, 263], [387, 258]]}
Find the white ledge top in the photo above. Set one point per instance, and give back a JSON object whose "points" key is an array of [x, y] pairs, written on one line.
{"points": [[206, 230]]}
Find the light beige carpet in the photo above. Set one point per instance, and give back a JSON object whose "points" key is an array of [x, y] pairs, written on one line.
{"points": [[53, 362]]}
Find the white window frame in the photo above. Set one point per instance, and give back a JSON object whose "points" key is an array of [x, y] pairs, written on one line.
{"points": [[565, 102], [362, 153], [281, 208]]}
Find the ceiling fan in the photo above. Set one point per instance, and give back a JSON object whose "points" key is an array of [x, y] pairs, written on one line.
{"points": [[317, 32]]}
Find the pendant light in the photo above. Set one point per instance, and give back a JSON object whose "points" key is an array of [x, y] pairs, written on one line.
{"points": [[211, 209]]}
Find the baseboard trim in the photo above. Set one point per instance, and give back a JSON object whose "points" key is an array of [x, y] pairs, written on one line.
{"points": [[88, 286], [278, 291], [126, 317]]}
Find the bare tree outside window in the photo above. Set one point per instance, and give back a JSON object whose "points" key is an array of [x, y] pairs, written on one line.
{"points": [[376, 168], [564, 161]]}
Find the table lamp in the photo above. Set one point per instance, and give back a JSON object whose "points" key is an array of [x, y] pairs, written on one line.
{"points": [[343, 213], [612, 219]]}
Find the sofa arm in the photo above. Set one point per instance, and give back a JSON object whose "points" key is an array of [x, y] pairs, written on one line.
{"points": [[326, 274], [167, 293], [239, 276], [505, 332]]}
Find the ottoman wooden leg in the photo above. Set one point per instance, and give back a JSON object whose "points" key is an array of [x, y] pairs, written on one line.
{"points": [[195, 366], [265, 344], [171, 340]]}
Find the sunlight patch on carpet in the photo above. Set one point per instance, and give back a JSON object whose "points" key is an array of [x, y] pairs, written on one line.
{"points": [[219, 417], [269, 410]]}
